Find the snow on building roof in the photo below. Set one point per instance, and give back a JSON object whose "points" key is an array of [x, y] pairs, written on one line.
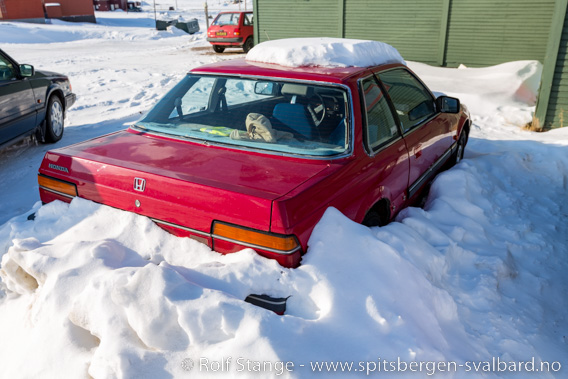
{"points": [[325, 52]]}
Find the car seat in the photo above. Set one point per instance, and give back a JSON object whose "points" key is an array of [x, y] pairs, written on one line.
{"points": [[293, 115]]}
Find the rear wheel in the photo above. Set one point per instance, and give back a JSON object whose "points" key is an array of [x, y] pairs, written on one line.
{"points": [[372, 218], [218, 49], [379, 215], [54, 120], [249, 43]]}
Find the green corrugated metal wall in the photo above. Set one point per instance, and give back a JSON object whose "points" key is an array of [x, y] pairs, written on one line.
{"points": [[444, 32], [296, 18], [489, 32], [552, 108], [413, 26]]}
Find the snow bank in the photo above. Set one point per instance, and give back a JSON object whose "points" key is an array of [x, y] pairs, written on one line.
{"points": [[138, 29], [507, 91], [324, 52]]}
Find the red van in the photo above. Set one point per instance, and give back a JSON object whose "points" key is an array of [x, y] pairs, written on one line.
{"points": [[231, 29]]}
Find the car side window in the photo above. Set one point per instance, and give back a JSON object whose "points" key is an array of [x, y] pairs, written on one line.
{"points": [[193, 100], [380, 126], [6, 70], [248, 20], [412, 101]]}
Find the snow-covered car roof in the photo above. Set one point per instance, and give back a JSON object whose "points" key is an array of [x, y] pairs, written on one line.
{"points": [[324, 52]]}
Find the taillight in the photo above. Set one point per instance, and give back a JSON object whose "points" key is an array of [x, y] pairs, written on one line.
{"points": [[277, 243], [57, 186], [237, 32]]}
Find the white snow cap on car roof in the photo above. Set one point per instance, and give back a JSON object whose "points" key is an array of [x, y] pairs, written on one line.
{"points": [[324, 52]]}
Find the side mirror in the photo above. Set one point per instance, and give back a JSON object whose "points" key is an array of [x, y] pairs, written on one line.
{"points": [[446, 104], [265, 88], [27, 70]]}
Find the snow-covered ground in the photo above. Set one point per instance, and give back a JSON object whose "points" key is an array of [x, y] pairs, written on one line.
{"points": [[472, 282]]}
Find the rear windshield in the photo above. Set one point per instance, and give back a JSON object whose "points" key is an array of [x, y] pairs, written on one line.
{"points": [[227, 19], [278, 116]]}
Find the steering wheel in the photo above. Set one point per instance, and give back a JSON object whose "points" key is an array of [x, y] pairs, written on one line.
{"points": [[316, 107]]}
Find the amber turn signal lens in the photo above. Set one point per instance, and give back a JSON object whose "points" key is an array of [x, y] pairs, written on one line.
{"points": [[257, 238], [57, 186]]}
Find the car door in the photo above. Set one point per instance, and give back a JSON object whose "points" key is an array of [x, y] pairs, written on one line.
{"points": [[17, 106], [247, 27], [428, 133], [384, 144]]}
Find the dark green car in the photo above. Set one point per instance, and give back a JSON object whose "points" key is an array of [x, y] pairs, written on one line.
{"points": [[31, 102]]}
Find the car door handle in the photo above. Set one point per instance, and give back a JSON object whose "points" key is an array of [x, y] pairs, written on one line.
{"points": [[417, 151]]}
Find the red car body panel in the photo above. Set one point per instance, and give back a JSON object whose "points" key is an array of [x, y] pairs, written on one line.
{"points": [[248, 68], [216, 177], [190, 185], [345, 185], [428, 143]]}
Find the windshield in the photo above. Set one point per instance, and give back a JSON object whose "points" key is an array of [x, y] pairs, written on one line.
{"points": [[270, 115], [227, 19]]}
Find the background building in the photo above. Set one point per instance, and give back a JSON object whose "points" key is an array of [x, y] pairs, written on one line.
{"points": [[111, 5], [39, 10], [22, 10]]}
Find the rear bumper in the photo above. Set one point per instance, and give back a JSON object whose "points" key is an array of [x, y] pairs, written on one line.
{"points": [[223, 245], [226, 41]]}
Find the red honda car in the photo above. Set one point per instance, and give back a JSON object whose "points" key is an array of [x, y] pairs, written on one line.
{"points": [[231, 29], [243, 154]]}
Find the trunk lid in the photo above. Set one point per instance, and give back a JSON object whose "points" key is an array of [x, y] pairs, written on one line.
{"points": [[186, 183]]}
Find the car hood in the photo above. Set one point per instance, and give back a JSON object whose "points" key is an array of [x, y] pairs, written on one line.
{"points": [[48, 74]]}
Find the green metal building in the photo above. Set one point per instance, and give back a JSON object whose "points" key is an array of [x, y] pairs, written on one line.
{"points": [[553, 95], [441, 32]]}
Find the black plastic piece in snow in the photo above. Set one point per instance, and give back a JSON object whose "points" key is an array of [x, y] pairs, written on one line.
{"points": [[274, 304], [31, 217]]}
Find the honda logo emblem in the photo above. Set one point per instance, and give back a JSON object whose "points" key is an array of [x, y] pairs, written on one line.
{"points": [[139, 184]]}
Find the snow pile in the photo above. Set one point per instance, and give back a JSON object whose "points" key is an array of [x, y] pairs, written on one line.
{"points": [[502, 94], [324, 52], [123, 293], [61, 31]]}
